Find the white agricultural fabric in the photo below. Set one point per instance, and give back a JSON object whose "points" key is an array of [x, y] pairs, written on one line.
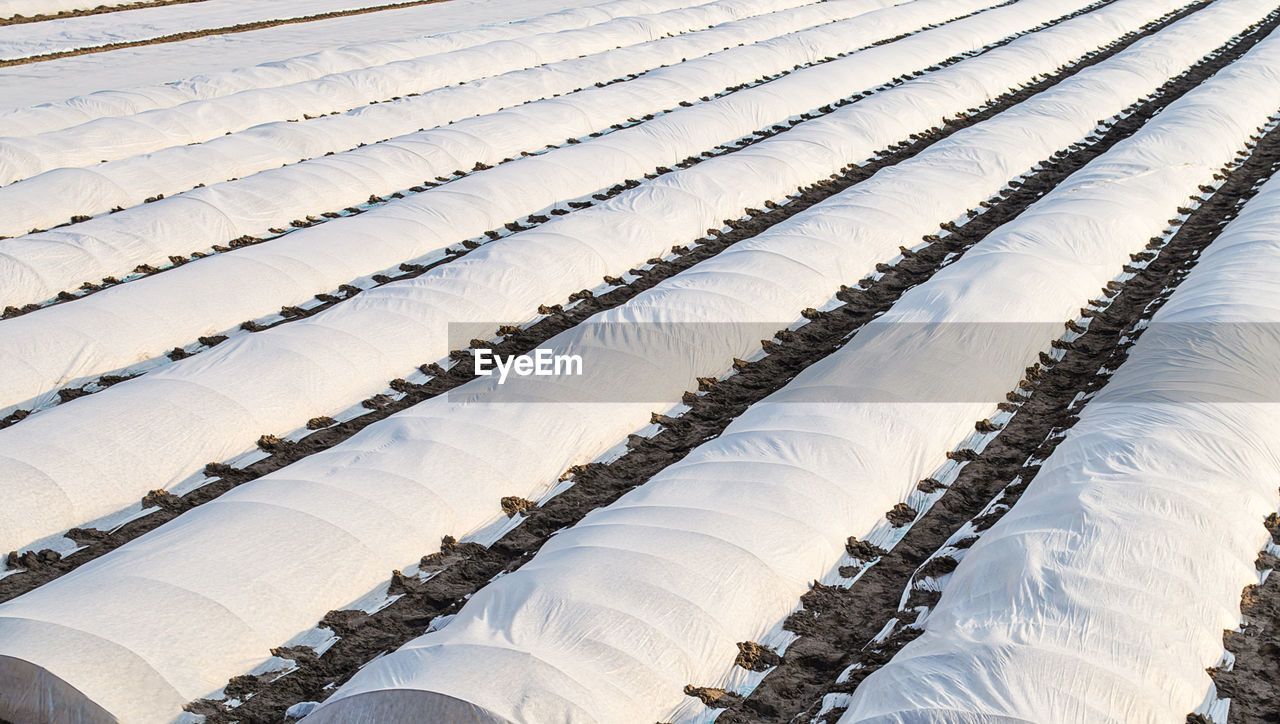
{"points": [[155, 431], [365, 506], [38, 266], [110, 139], [652, 593], [60, 114], [51, 36], [51, 198], [1102, 595]]}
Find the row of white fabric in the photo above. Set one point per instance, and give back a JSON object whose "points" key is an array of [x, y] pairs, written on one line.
{"points": [[195, 122], [38, 266], [1076, 608], [61, 114], [157, 430], [1103, 593], [225, 577]]}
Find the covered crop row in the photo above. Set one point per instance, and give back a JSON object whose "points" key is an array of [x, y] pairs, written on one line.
{"points": [[215, 405], [481, 443], [1175, 464], [111, 139], [53, 197], [709, 553], [36, 267], [61, 114]]}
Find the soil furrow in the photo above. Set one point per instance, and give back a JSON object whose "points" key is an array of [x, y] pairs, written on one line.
{"points": [[463, 568], [844, 627], [227, 30], [100, 10], [43, 566]]}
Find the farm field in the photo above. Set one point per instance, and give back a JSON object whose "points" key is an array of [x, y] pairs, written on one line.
{"points": [[858, 361]]}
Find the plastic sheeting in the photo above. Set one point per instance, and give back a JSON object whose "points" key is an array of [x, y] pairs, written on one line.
{"points": [[1102, 595], [109, 139], [653, 592], [51, 198], [155, 431], [37, 267], [365, 506], [63, 113]]}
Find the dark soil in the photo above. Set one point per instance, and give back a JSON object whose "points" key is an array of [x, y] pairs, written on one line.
{"points": [[1252, 684]]}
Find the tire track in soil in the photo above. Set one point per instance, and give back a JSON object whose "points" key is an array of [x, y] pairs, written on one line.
{"points": [[838, 626], [100, 10], [226, 30], [375, 201], [460, 569], [43, 566]]}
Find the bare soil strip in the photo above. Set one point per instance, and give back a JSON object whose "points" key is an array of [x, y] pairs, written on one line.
{"points": [[837, 626], [43, 566], [100, 10], [463, 568], [1251, 683], [239, 28]]}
